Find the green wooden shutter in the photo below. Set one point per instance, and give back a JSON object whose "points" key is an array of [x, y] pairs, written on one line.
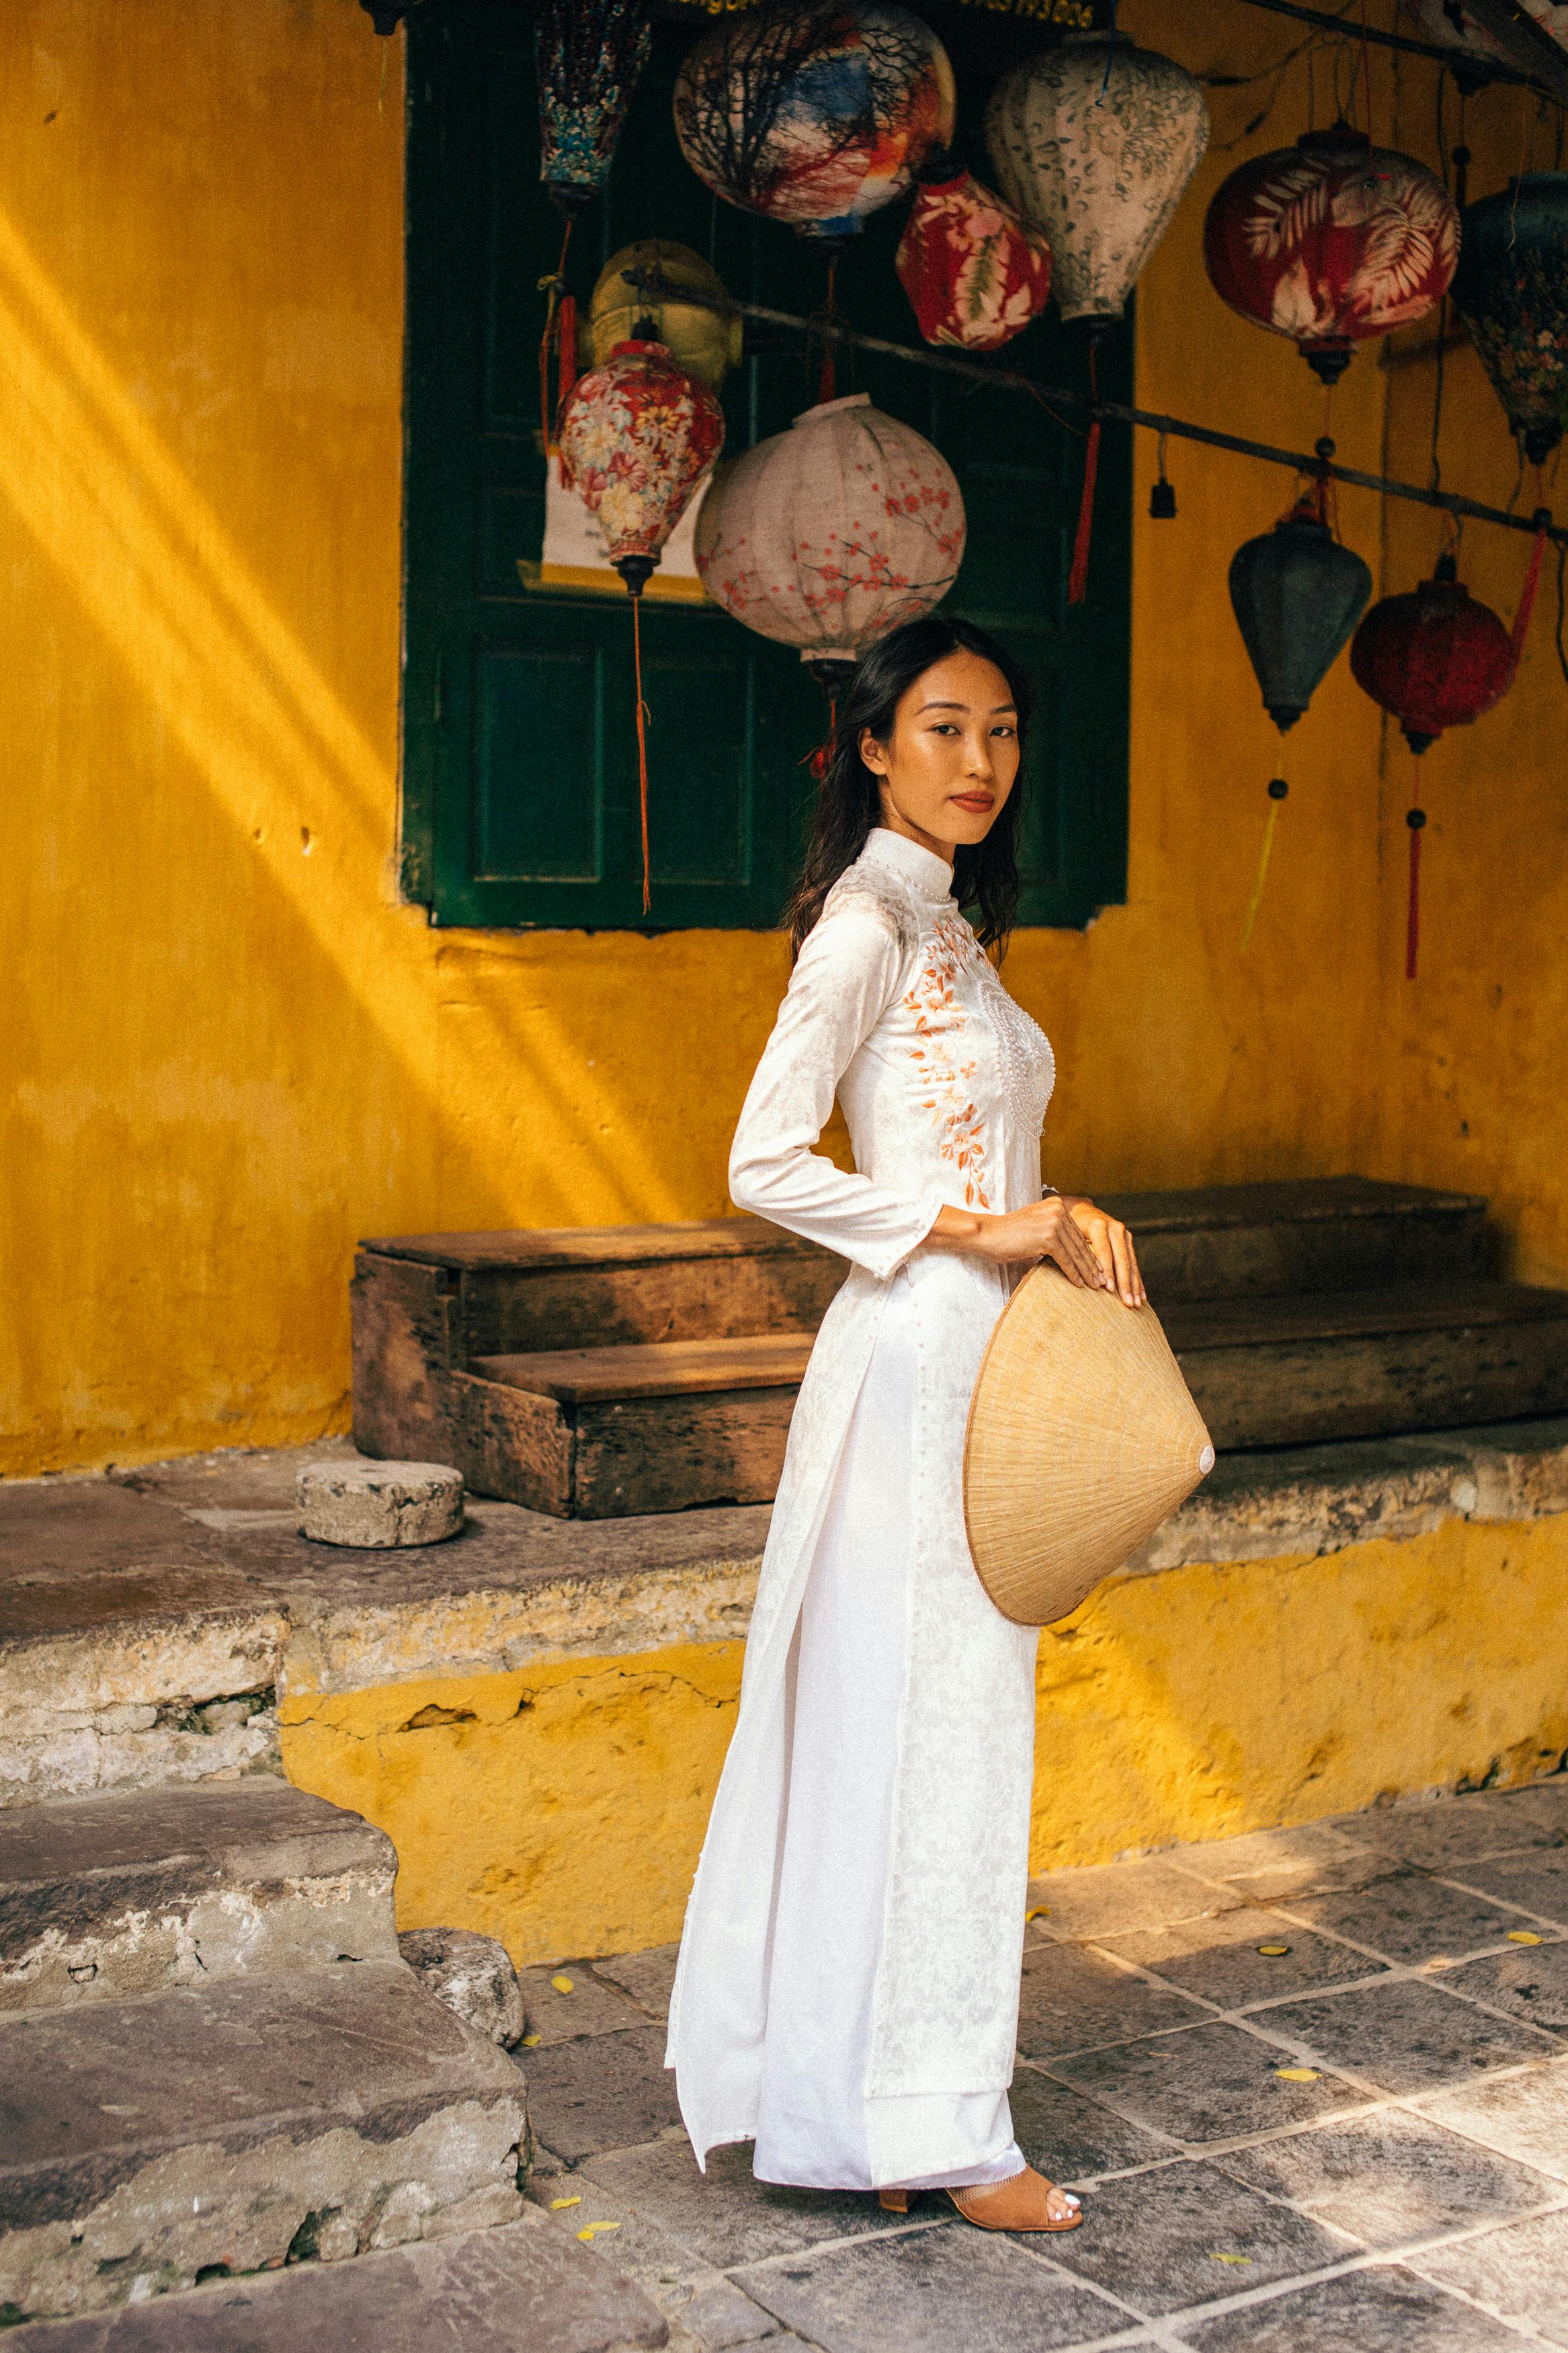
{"points": [[519, 763]]}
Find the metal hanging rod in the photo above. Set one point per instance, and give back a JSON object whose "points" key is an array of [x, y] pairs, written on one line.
{"points": [[1465, 64], [655, 285]]}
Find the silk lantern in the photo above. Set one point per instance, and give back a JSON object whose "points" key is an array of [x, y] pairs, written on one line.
{"points": [[636, 436], [1094, 141], [588, 54], [1296, 595], [1433, 659], [975, 272], [703, 339], [829, 535], [814, 115], [1511, 291], [1330, 242]]}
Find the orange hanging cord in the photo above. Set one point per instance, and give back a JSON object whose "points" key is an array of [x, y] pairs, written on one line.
{"points": [[642, 741]]}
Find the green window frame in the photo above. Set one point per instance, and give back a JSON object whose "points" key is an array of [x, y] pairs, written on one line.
{"points": [[519, 805]]}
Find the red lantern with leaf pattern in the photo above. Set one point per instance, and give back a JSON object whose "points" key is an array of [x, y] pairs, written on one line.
{"points": [[1331, 241]]}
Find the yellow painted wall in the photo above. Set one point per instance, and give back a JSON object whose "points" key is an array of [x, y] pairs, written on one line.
{"points": [[227, 1052], [561, 1808]]}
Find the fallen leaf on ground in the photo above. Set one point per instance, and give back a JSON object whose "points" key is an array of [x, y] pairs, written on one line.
{"points": [[1038, 1912], [1218, 2258], [561, 1985], [531, 2041], [1522, 1936], [558, 2205], [593, 2230], [1297, 2074], [1273, 1952]]}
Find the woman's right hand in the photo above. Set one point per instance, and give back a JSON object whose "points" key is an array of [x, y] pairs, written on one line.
{"points": [[1022, 1236]]}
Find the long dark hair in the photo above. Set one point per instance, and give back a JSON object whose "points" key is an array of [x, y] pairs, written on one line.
{"points": [[986, 873]]}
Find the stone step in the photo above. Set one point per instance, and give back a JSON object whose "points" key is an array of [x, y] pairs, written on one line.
{"points": [[1308, 1233], [103, 1899], [148, 2145], [525, 2287]]}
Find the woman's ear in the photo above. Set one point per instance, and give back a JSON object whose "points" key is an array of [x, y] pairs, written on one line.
{"points": [[872, 753]]}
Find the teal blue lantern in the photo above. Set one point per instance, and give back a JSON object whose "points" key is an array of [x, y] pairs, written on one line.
{"points": [[1297, 595]]}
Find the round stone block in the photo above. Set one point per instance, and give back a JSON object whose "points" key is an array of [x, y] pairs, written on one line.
{"points": [[375, 1505]]}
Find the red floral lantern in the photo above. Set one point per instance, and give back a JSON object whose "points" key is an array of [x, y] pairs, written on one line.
{"points": [[636, 436], [1330, 242], [975, 272]]}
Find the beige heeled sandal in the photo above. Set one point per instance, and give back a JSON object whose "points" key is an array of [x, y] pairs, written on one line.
{"points": [[1018, 2204]]}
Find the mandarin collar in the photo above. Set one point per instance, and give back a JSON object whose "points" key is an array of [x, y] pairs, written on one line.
{"points": [[931, 875]]}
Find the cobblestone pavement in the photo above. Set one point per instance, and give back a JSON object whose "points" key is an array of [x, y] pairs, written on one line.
{"points": [[1311, 2084]]}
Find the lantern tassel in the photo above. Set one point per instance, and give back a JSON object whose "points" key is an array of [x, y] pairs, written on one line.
{"points": [[1415, 818], [555, 308], [1277, 793], [1077, 578], [642, 741], [1531, 583]]}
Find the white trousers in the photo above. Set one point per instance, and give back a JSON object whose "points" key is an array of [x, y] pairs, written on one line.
{"points": [[816, 2125]]}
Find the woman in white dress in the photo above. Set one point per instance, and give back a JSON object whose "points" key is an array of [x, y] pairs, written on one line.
{"points": [[848, 1990]]}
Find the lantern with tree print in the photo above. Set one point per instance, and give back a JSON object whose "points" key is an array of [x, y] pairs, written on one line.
{"points": [[975, 272], [1331, 241], [827, 536], [814, 115]]}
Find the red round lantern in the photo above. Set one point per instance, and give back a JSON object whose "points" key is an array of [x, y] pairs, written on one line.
{"points": [[1330, 242], [974, 271], [1435, 658]]}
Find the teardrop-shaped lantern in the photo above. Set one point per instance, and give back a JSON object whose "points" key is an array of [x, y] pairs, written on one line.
{"points": [[815, 115], [1511, 291], [827, 536], [1296, 595], [1434, 659], [1330, 242], [1095, 140], [588, 54], [636, 436], [975, 273], [704, 340]]}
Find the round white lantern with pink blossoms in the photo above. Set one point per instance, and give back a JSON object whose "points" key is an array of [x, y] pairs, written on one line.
{"points": [[829, 535]]}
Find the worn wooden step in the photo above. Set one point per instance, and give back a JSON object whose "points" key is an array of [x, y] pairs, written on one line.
{"points": [[1319, 1233], [104, 1898], [1287, 1372], [145, 2146], [700, 1421]]}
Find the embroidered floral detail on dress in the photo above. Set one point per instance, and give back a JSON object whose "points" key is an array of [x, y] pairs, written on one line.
{"points": [[1028, 1066], [940, 1023]]}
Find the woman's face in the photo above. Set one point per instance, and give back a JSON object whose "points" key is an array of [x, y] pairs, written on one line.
{"points": [[952, 759]]}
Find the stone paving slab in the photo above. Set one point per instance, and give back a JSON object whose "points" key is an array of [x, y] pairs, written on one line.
{"points": [[1519, 2272], [1404, 2035], [1073, 2139], [1072, 1997], [600, 2092], [1436, 1836], [1535, 1885], [926, 2291], [1523, 2115], [1410, 1918], [1390, 2179], [1188, 2234], [1210, 2083], [1243, 1957], [520, 2288], [1531, 1985], [568, 1998], [1268, 1866], [1381, 2310]]}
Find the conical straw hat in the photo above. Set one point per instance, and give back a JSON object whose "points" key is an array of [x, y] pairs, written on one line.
{"points": [[1082, 1438]]}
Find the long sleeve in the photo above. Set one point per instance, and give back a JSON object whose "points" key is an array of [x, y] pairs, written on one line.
{"points": [[842, 985]]}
